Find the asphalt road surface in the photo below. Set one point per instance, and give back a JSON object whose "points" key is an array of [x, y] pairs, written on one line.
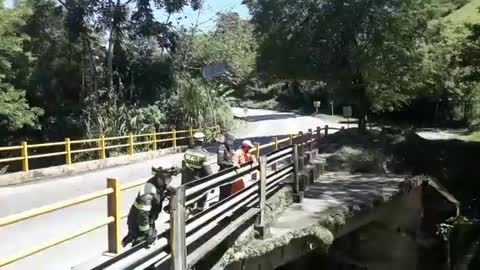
{"points": [[258, 125]]}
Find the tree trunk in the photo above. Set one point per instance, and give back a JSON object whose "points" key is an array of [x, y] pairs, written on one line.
{"points": [[363, 106], [83, 94], [93, 68], [362, 121], [111, 47], [132, 84]]}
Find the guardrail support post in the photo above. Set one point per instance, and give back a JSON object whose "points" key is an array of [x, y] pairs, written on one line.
{"points": [[326, 130], [154, 139], [68, 151], [190, 138], [177, 224], [257, 150], [103, 152], [301, 144], [297, 194], [275, 148], [25, 166], [260, 223], [130, 144], [114, 206], [319, 136], [174, 138], [291, 139], [310, 138]]}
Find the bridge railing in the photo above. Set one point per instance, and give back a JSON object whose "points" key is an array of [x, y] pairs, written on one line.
{"points": [[184, 233], [101, 146], [190, 239]]}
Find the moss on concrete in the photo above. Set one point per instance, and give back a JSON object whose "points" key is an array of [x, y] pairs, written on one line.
{"points": [[322, 236]]}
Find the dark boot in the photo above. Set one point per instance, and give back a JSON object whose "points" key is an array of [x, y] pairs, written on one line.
{"points": [[126, 240]]}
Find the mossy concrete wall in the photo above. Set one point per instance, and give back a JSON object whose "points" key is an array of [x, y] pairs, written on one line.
{"points": [[366, 230]]}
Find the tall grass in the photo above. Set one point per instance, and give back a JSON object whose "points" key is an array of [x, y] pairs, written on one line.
{"points": [[202, 104]]}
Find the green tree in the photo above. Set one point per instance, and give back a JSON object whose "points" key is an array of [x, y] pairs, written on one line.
{"points": [[55, 83], [367, 49], [15, 111], [232, 42]]}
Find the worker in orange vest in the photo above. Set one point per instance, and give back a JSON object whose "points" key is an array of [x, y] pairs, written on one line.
{"points": [[240, 157]]}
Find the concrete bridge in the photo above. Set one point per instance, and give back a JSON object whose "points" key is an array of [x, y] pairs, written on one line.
{"points": [[52, 186], [360, 220], [339, 211]]}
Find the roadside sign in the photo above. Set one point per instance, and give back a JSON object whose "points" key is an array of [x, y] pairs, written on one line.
{"points": [[347, 111], [213, 71], [331, 106], [317, 104]]}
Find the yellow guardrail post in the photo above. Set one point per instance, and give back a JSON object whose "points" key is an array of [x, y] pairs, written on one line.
{"points": [[190, 140], [103, 153], [275, 148], [25, 166], [174, 138], [68, 151], [154, 140], [130, 144], [257, 149], [114, 208]]}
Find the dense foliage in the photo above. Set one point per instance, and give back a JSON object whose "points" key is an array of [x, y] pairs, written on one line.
{"points": [[83, 68], [80, 68], [376, 55]]}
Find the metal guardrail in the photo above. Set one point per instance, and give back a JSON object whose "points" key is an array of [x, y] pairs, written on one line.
{"points": [[188, 240], [68, 148], [183, 232]]}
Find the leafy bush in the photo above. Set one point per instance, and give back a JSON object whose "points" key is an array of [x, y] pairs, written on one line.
{"points": [[357, 160]]}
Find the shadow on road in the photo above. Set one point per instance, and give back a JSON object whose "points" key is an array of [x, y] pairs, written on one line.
{"points": [[266, 117]]}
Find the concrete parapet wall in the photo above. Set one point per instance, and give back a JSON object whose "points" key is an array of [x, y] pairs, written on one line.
{"points": [[397, 208], [82, 167]]}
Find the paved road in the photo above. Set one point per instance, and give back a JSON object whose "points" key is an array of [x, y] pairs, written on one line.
{"points": [[441, 134], [259, 125]]}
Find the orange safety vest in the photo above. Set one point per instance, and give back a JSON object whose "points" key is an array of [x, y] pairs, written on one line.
{"points": [[240, 157]]}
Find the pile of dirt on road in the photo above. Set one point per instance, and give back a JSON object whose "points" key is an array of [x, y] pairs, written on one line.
{"points": [[454, 163]]}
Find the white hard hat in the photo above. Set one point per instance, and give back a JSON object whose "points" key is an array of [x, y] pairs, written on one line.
{"points": [[248, 143], [199, 136]]}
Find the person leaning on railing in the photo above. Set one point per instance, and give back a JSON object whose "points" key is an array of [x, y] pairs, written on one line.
{"points": [[242, 156], [225, 161], [147, 206]]}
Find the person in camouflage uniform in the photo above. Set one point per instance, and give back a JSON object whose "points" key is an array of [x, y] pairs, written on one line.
{"points": [[147, 206]]}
